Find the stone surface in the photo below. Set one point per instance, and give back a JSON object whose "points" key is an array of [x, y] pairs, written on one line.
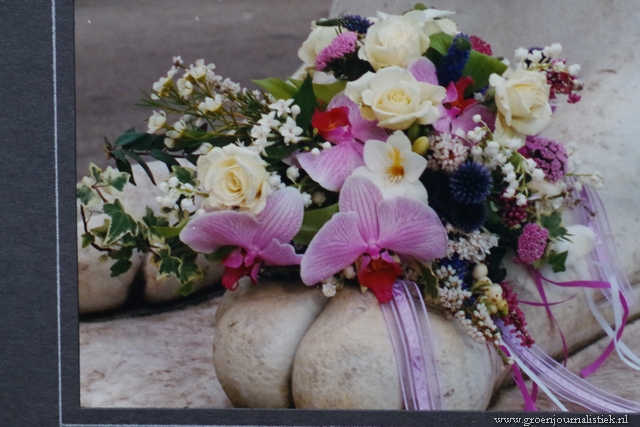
{"points": [[163, 360], [257, 337], [97, 290], [157, 291], [346, 360]]}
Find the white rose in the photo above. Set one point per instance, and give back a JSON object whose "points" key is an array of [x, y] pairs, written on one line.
{"points": [[397, 39], [234, 177], [523, 101], [395, 98], [319, 38]]}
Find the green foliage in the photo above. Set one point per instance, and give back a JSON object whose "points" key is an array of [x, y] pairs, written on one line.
{"points": [[306, 100], [557, 261], [221, 253], [121, 223], [323, 92], [430, 283], [184, 175], [85, 194], [87, 239], [312, 222], [276, 87], [553, 223], [184, 267]]}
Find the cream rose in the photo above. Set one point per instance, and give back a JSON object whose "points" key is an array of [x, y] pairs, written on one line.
{"points": [[398, 39], [395, 98], [319, 38], [523, 101], [234, 177]]}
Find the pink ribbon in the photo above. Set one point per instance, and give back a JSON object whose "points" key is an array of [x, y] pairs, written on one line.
{"points": [[408, 324]]}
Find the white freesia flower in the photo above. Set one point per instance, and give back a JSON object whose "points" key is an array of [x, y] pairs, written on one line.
{"points": [[234, 176], [394, 167], [395, 98], [319, 38], [397, 39], [211, 104], [523, 101], [156, 121]]}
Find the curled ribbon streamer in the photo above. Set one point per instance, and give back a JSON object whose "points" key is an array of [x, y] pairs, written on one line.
{"points": [[408, 324], [557, 381]]}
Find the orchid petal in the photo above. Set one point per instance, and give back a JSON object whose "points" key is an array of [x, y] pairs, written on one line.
{"points": [[362, 196], [276, 253], [210, 231], [331, 167], [281, 218], [411, 228], [423, 70], [336, 246]]}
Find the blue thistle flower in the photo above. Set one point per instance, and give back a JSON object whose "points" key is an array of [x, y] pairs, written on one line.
{"points": [[459, 265], [467, 217], [356, 23], [471, 183], [453, 63]]}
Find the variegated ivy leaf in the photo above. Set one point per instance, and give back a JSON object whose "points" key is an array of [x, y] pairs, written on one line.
{"points": [[113, 179], [121, 223]]}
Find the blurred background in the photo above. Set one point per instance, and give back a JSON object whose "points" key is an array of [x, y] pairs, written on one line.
{"points": [[124, 46]]}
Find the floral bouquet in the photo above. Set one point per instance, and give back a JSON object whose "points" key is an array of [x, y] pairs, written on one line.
{"points": [[404, 162]]}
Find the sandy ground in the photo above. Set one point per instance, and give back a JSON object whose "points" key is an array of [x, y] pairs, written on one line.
{"points": [[122, 47]]}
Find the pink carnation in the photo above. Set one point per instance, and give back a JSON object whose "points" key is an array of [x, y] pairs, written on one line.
{"points": [[342, 45], [531, 244]]}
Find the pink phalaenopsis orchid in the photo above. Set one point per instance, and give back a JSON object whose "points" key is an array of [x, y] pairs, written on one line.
{"points": [[366, 230], [259, 239], [343, 126], [456, 112]]}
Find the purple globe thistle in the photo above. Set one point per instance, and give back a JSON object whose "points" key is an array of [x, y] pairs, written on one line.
{"points": [[550, 156], [531, 244], [471, 183], [467, 217]]}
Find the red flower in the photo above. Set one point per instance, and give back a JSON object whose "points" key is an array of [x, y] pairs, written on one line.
{"points": [[328, 121]]}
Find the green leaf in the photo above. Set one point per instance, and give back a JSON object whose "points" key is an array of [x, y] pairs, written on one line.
{"points": [[276, 87], [184, 175], [189, 273], [431, 283], [123, 164], [128, 138], [101, 231], [221, 253], [151, 220], [121, 223], [142, 163], [95, 172], [553, 223], [557, 261], [440, 42], [84, 194], [169, 232], [306, 100], [312, 221], [279, 152], [480, 67], [120, 267], [117, 181], [87, 239], [165, 158], [324, 92], [169, 265]]}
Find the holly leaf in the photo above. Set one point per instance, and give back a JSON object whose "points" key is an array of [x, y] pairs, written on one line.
{"points": [[312, 221], [557, 261], [121, 223]]}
